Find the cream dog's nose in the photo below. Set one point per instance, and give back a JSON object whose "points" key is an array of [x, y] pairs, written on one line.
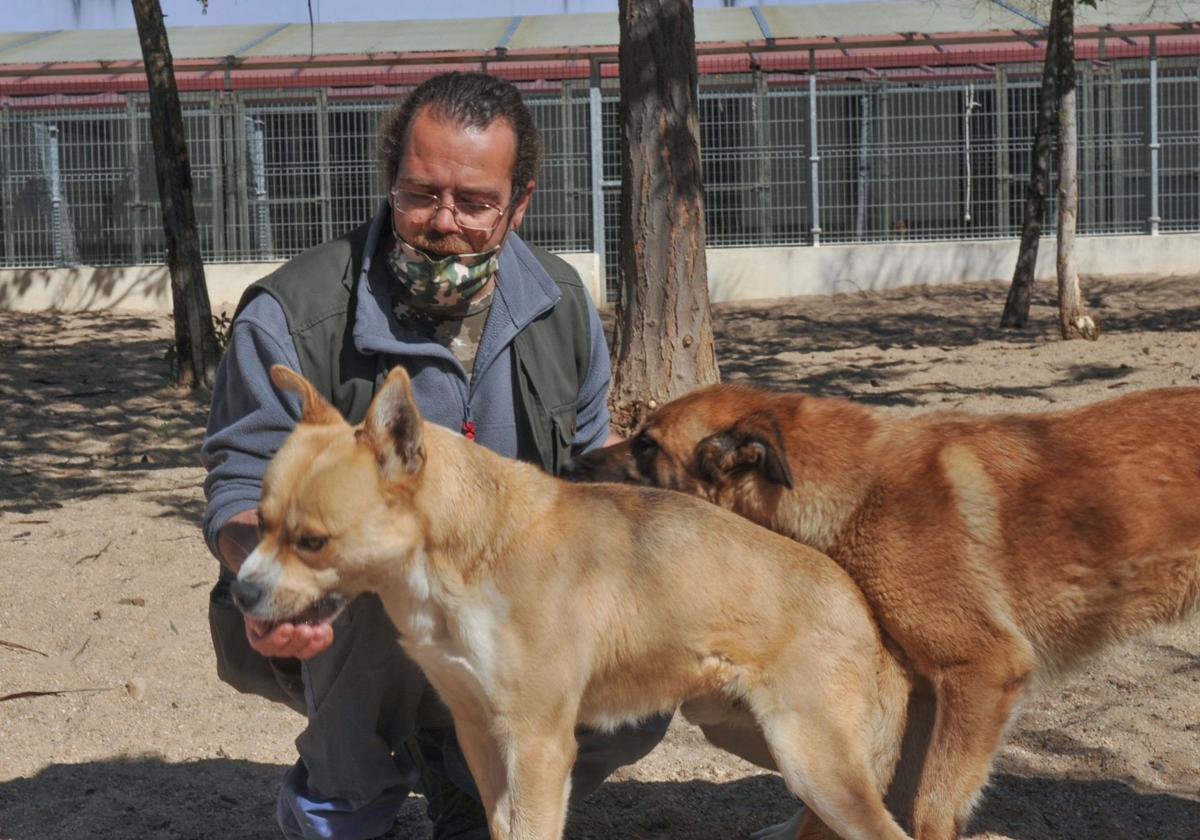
{"points": [[246, 595]]}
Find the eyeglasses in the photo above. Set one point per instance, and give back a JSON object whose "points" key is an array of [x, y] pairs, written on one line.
{"points": [[468, 215]]}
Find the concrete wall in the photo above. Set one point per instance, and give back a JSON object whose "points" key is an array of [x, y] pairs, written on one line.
{"points": [[748, 273], [147, 288], [735, 274]]}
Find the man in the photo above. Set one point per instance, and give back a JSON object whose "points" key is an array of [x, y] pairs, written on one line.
{"points": [[502, 344]]}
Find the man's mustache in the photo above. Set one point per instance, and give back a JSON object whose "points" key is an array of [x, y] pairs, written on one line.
{"points": [[442, 246]]}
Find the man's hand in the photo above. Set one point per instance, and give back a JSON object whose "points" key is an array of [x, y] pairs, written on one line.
{"points": [[302, 641], [235, 541]]}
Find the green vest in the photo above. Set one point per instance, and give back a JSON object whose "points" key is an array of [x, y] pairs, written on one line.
{"points": [[551, 353]]}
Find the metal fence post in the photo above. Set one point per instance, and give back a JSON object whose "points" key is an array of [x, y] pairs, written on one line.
{"points": [[54, 180], [1003, 171], [231, 164], [1088, 223], [596, 136], [762, 170], [217, 180], [570, 191], [323, 166], [863, 180], [1154, 216], [1117, 121], [6, 213], [240, 186], [814, 158], [137, 208], [883, 223], [258, 187]]}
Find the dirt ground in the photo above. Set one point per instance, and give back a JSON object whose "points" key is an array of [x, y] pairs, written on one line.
{"points": [[104, 581]]}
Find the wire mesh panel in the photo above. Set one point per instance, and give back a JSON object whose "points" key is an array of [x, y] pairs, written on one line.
{"points": [[610, 135], [1179, 134], [64, 185], [38, 228], [559, 217], [1114, 166], [356, 188], [142, 238], [78, 183], [282, 200], [902, 153]]}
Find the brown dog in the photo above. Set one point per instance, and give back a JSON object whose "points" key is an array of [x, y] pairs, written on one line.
{"points": [[534, 605], [994, 550]]}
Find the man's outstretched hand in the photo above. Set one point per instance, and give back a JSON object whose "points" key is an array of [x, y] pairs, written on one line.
{"points": [[302, 641]]}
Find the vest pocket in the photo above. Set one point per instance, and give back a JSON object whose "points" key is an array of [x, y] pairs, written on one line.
{"points": [[562, 423]]}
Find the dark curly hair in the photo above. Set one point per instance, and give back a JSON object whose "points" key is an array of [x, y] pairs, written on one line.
{"points": [[471, 100]]}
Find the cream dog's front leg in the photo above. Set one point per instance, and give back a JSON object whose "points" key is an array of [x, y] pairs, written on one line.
{"points": [[539, 761], [523, 773], [485, 760]]}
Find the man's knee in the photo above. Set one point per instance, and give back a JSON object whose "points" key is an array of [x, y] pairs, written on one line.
{"points": [[602, 753]]}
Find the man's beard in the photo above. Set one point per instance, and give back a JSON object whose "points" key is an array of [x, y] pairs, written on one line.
{"points": [[441, 246]]}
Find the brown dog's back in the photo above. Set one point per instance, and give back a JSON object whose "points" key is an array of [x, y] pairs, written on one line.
{"points": [[1084, 523]]}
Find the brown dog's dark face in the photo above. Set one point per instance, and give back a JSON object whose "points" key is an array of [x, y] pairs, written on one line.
{"points": [[722, 443]]}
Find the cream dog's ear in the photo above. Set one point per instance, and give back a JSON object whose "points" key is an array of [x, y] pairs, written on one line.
{"points": [[393, 427], [316, 409]]}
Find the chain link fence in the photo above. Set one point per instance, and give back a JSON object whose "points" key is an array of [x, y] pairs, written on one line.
{"points": [[911, 154]]}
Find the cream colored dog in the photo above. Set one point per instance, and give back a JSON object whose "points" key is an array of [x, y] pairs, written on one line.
{"points": [[995, 550], [534, 605]]}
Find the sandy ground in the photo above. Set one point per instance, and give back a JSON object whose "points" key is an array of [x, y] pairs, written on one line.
{"points": [[104, 580]]}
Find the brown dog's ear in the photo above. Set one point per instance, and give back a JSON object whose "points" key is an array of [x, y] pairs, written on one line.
{"points": [[753, 443], [316, 409], [393, 427]]}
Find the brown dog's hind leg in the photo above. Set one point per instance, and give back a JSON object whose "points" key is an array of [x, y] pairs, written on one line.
{"points": [[974, 705]]}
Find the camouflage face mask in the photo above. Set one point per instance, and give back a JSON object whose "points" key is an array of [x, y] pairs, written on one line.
{"points": [[444, 282]]}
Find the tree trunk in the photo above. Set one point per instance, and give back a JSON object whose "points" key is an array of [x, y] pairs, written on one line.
{"points": [[663, 343], [195, 335], [1073, 320], [1016, 307]]}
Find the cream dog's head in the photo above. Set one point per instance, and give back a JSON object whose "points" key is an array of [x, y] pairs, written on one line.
{"points": [[335, 517]]}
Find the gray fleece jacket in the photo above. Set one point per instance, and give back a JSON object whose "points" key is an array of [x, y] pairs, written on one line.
{"points": [[250, 418]]}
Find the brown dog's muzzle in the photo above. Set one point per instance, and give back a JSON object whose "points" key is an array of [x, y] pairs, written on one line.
{"points": [[612, 464]]}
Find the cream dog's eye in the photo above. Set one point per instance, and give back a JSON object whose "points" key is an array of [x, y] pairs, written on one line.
{"points": [[311, 543]]}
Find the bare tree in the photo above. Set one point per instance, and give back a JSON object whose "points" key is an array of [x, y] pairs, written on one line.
{"points": [[1073, 319], [1056, 115], [663, 343], [1016, 308], [196, 346]]}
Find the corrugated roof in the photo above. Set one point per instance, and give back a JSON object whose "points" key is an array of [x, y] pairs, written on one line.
{"points": [[122, 44], [478, 34], [857, 21]]}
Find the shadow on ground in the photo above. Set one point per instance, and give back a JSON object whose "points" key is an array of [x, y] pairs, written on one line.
{"points": [[228, 799], [764, 342], [85, 417], [1041, 808]]}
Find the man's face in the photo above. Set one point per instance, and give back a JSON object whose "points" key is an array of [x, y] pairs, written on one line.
{"points": [[457, 165]]}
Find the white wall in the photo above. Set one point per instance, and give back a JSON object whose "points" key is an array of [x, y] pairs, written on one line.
{"points": [[748, 273], [734, 274]]}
